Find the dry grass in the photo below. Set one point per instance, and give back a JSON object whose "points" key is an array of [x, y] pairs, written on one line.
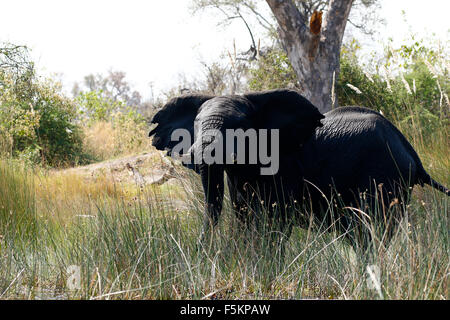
{"points": [[103, 140], [66, 193], [99, 140], [142, 243]]}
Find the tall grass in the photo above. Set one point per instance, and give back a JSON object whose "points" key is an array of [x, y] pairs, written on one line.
{"points": [[104, 140], [145, 247], [132, 243]]}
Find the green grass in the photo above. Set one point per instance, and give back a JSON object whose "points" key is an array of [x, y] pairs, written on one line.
{"points": [[142, 244], [145, 248]]}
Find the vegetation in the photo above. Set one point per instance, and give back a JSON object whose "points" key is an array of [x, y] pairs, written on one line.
{"points": [[412, 79], [273, 70], [41, 125], [37, 122], [135, 242], [111, 127]]}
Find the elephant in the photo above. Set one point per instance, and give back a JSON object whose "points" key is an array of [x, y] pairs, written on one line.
{"points": [[350, 157]]}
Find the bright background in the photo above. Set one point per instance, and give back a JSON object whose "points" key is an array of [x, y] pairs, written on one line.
{"points": [[156, 41]]}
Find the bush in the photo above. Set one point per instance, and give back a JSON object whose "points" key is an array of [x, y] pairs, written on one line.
{"points": [[111, 127], [95, 106], [37, 122], [273, 70], [408, 86]]}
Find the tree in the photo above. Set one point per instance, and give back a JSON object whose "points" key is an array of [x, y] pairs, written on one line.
{"points": [[316, 55], [311, 33], [243, 11], [37, 121], [15, 60], [114, 86], [313, 51], [272, 71]]}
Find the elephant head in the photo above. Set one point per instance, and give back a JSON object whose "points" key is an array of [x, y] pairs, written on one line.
{"points": [[208, 118], [179, 112]]}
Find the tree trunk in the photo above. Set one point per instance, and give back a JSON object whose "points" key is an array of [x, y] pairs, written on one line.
{"points": [[313, 51]]}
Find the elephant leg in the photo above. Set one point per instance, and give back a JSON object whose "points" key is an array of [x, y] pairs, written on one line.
{"points": [[392, 196], [242, 196], [237, 203]]}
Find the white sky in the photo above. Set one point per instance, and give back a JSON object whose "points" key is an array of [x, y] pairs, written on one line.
{"points": [[155, 41]]}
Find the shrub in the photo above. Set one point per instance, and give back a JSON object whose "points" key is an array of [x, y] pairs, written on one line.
{"points": [[95, 106], [273, 70], [37, 122], [111, 127], [410, 85]]}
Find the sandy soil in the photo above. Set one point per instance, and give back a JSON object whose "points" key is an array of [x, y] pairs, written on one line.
{"points": [[147, 168]]}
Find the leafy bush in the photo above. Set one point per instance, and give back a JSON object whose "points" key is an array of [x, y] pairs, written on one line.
{"points": [[37, 122], [95, 106], [409, 85], [111, 127], [273, 70]]}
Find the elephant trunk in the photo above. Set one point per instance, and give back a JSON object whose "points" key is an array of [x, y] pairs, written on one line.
{"points": [[212, 177], [211, 170], [209, 135]]}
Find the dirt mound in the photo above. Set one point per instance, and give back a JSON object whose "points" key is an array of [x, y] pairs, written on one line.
{"points": [[142, 169]]}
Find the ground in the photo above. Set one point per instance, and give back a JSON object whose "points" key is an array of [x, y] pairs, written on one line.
{"points": [[146, 168]]}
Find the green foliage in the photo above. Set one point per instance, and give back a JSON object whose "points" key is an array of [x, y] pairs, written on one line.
{"points": [[273, 70], [15, 61], [112, 128], [113, 86], [411, 80], [94, 106], [37, 122], [357, 87]]}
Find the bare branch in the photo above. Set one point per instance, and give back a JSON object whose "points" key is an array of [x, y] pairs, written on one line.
{"points": [[265, 23], [249, 31], [15, 60], [361, 27]]}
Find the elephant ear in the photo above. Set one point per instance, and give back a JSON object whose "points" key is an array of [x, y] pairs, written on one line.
{"points": [[178, 113], [294, 115]]}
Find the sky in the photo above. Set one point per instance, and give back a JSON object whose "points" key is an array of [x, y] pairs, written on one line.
{"points": [[155, 42]]}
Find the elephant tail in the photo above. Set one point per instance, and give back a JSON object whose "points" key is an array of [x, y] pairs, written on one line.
{"points": [[427, 179]]}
